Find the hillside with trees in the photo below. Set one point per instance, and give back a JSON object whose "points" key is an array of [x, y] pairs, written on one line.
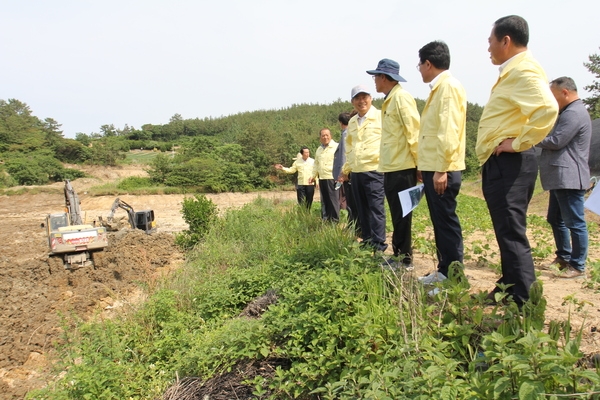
{"points": [[232, 153]]}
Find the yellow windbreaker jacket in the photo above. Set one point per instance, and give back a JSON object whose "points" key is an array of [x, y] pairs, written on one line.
{"points": [[442, 136], [363, 142], [323, 168], [304, 169], [521, 106], [399, 131]]}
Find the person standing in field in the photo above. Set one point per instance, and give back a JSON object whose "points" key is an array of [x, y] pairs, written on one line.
{"points": [[323, 171], [303, 165], [362, 159], [565, 172], [442, 140], [398, 154], [339, 159], [519, 114]]}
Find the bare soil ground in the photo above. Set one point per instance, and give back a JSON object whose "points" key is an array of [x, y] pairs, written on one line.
{"points": [[33, 296]]}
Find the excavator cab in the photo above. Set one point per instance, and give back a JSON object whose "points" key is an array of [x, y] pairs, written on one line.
{"points": [[55, 221], [144, 220]]}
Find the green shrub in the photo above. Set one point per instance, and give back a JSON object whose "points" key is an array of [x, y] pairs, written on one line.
{"points": [[38, 169], [199, 213]]}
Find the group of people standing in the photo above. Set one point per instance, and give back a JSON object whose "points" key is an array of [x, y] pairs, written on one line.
{"points": [[383, 152]]}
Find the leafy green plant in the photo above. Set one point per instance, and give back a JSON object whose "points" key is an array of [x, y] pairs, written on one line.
{"points": [[199, 213]]}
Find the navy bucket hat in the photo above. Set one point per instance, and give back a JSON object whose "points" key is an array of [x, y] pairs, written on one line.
{"points": [[388, 67]]}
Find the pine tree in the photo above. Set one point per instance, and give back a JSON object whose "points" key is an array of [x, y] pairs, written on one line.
{"points": [[593, 102]]}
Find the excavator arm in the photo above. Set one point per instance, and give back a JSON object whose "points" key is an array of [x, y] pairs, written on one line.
{"points": [[72, 204], [118, 203]]}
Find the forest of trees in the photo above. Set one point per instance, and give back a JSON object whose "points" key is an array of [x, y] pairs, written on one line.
{"points": [[233, 153]]}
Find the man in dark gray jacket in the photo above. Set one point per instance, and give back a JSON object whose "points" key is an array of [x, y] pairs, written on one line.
{"points": [[564, 171]]}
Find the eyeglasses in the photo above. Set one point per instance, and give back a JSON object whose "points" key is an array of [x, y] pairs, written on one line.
{"points": [[374, 76], [419, 66]]}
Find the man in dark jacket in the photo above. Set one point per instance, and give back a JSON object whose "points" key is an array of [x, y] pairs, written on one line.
{"points": [[564, 171]]}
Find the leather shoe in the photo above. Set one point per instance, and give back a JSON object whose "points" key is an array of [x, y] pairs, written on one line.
{"points": [[569, 273], [557, 264]]}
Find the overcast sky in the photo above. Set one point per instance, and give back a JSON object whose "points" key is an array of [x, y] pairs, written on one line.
{"points": [[88, 63]]}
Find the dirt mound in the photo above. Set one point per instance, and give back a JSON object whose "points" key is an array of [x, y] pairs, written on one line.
{"points": [[34, 293]]}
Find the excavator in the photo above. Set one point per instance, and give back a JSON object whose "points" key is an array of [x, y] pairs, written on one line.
{"points": [[72, 243], [143, 220]]}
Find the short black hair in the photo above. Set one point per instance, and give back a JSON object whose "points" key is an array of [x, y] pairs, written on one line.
{"points": [[344, 118], [514, 27], [564, 82], [303, 148], [437, 53]]}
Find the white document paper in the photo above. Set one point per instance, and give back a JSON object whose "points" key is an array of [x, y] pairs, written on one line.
{"points": [[593, 202], [409, 198]]}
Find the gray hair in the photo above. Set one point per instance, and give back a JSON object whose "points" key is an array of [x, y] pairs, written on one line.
{"points": [[564, 82]]}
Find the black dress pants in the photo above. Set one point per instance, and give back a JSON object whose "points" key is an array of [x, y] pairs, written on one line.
{"points": [[330, 199], [508, 181], [446, 225], [395, 182], [305, 195], [369, 195]]}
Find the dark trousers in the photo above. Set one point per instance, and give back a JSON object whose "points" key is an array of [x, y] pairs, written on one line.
{"points": [[508, 181], [330, 199], [395, 182], [351, 206], [367, 188], [446, 225], [305, 194]]}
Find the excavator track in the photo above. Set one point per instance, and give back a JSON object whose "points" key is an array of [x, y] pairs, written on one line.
{"points": [[98, 259], [55, 264]]}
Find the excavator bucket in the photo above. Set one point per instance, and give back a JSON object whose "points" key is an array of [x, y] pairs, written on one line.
{"points": [[114, 224]]}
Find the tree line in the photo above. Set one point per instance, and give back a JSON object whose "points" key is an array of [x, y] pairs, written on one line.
{"points": [[232, 153]]}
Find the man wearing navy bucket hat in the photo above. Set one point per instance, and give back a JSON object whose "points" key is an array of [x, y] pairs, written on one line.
{"points": [[398, 153]]}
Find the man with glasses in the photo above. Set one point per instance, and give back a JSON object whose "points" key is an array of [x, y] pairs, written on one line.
{"points": [[442, 139], [398, 153]]}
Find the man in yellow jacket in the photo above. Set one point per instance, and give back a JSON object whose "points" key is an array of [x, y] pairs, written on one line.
{"points": [[323, 170], [303, 165], [442, 138], [519, 114], [398, 153], [362, 158]]}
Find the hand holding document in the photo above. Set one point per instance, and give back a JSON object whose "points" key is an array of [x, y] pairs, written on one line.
{"points": [[409, 198]]}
